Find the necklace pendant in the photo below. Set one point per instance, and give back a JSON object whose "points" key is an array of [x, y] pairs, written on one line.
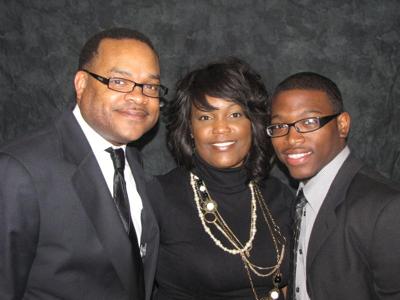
{"points": [[210, 206], [277, 279], [210, 209], [273, 294], [210, 217]]}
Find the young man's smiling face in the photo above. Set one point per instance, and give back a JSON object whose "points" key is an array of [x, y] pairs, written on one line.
{"points": [[305, 154]]}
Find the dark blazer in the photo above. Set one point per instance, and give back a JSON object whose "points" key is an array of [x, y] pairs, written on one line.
{"points": [[354, 248], [60, 234]]}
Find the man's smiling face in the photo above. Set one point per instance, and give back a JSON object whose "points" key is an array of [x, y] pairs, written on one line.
{"points": [[305, 154]]}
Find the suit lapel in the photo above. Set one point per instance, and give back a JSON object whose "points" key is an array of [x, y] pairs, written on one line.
{"points": [[326, 220], [96, 199], [150, 231], [148, 219]]}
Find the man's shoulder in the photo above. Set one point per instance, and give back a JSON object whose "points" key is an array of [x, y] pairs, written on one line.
{"points": [[39, 145], [371, 191], [30, 143], [370, 181]]}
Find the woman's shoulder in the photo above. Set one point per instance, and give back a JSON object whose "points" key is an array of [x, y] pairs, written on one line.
{"points": [[276, 189], [173, 177], [275, 183], [168, 190], [175, 183]]}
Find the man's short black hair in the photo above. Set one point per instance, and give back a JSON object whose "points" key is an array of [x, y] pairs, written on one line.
{"points": [[90, 48], [312, 81]]}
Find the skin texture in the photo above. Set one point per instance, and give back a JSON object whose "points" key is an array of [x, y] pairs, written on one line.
{"points": [[119, 117], [305, 154], [222, 136]]}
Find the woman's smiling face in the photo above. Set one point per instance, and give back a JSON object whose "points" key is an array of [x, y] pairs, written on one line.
{"points": [[223, 135]]}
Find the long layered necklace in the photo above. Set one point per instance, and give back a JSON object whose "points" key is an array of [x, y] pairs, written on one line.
{"points": [[210, 216]]}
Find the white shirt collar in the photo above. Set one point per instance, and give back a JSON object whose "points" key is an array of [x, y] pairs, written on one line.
{"points": [[96, 141], [318, 186]]}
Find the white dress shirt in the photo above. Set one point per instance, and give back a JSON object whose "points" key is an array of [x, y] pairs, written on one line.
{"points": [[315, 191], [99, 146]]}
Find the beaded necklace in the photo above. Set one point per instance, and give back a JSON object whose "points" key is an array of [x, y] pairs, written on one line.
{"points": [[209, 215]]}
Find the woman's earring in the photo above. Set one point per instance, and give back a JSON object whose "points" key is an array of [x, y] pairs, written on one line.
{"points": [[162, 102], [192, 141]]}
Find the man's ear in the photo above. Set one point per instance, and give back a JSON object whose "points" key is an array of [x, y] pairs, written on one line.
{"points": [[80, 83], [343, 122]]}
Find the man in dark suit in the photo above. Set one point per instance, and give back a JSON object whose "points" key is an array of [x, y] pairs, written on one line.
{"points": [[71, 225], [346, 234]]}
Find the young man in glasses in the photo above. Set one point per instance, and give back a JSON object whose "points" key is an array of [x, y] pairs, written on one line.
{"points": [[346, 240], [75, 221]]}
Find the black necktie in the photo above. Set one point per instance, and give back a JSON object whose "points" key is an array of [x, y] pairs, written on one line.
{"points": [[300, 203], [121, 201]]}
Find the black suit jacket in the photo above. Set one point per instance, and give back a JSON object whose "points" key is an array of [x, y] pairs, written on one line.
{"points": [[354, 247], [60, 234]]}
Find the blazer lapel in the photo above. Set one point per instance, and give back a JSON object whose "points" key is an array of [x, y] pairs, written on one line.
{"points": [[148, 219], [326, 220], [96, 199], [150, 231]]}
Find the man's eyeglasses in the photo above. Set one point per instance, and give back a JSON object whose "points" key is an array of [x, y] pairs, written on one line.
{"points": [[301, 126], [126, 86]]}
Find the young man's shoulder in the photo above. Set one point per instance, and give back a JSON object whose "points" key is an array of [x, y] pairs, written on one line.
{"points": [[375, 183], [370, 193]]}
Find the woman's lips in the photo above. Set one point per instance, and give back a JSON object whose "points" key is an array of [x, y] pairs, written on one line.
{"points": [[223, 146]]}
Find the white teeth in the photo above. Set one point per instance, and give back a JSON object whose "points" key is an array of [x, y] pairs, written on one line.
{"points": [[224, 144], [298, 155]]}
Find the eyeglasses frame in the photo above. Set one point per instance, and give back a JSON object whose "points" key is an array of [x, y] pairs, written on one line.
{"points": [[321, 120], [106, 81]]}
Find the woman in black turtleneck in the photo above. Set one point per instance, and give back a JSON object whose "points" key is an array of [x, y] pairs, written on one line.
{"points": [[224, 223]]}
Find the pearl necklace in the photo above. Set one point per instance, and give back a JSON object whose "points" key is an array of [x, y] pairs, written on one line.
{"points": [[208, 212]]}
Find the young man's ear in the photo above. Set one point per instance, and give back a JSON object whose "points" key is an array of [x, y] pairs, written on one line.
{"points": [[80, 83], [344, 121]]}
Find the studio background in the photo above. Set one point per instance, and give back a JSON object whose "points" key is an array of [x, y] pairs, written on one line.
{"points": [[355, 43]]}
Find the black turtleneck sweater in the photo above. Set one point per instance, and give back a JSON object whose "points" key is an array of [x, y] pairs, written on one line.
{"points": [[190, 265]]}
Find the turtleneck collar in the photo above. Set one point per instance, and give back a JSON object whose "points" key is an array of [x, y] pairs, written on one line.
{"points": [[229, 181]]}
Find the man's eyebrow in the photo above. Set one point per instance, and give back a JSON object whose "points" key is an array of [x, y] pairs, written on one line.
{"points": [[127, 73], [312, 111], [154, 76]]}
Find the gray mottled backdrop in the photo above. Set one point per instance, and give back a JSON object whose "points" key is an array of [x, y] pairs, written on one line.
{"points": [[356, 43]]}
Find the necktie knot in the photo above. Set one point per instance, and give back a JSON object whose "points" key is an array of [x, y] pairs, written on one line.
{"points": [[300, 200], [118, 158]]}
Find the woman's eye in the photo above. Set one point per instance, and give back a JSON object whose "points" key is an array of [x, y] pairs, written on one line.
{"points": [[204, 118], [236, 115]]}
